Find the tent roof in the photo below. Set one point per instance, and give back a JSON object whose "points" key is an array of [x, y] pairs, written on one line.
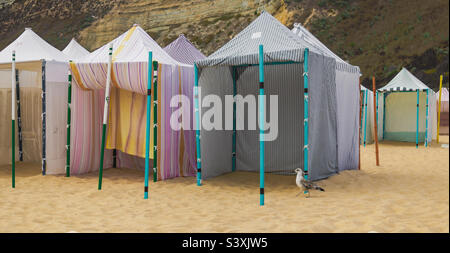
{"points": [[30, 47], [404, 81], [74, 50], [315, 45], [131, 46], [184, 51], [280, 45]]}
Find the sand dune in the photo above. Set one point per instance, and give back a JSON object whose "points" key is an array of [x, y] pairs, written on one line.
{"points": [[409, 192]]}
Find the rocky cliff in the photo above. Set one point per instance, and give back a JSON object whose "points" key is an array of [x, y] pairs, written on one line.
{"points": [[380, 36]]}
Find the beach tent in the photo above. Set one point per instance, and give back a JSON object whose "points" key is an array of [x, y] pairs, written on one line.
{"points": [[41, 102], [408, 108], [128, 108], [347, 83], [184, 51], [75, 51], [307, 128], [444, 120]]}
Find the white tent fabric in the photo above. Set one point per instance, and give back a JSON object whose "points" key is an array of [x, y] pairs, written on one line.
{"points": [[444, 120], [404, 81], [347, 99], [75, 51], [400, 96], [30, 47], [444, 99], [33, 55], [138, 43]]}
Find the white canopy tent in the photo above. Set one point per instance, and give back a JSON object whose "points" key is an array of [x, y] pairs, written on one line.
{"points": [[41, 101], [75, 51], [400, 119]]}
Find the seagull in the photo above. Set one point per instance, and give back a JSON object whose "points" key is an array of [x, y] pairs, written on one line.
{"points": [[306, 185]]}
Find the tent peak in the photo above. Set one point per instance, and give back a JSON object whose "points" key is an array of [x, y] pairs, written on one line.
{"points": [[28, 29]]}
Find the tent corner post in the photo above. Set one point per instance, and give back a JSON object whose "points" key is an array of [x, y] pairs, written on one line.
{"points": [[44, 120], [105, 116], [375, 102], [359, 129], [417, 120], [261, 125], [233, 151], [19, 118], [197, 123], [155, 121], [439, 108], [13, 124], [426, 121], [365, 115], [305, 117], [69, 110], [147, 125]]}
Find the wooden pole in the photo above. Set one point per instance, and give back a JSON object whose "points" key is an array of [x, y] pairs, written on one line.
{"points": [[439, 109], [376, 122], [359, 133], [105, 116]]}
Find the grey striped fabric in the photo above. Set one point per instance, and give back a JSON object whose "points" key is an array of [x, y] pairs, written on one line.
{"points": [[315, 45], [280, 45], [184, 51], [285, 153]]}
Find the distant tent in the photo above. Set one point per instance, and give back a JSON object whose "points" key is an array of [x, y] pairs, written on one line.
{"points": [[184, 51], [126, 131], [367, 133], [407, 110], [42, 85], [234, 69], [444, 121], [74, 50], [347, 83]]}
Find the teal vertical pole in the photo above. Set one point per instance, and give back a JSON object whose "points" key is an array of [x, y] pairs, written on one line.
{"points": [[261, 125], [417, 121], [365, 117], [147, 125], [426, 122], [13, 120], [197, 122], [105, 117], [362, 109], [376, 116], [155, 121], [69, 103], [384, 112], [233, 161], [305, 117]]}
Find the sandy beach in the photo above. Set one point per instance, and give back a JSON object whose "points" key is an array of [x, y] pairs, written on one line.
{"points": [[408, 192]]}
